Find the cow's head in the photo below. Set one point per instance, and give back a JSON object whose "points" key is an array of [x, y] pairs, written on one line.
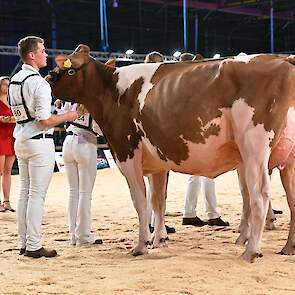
{"points": [[67, 79]]}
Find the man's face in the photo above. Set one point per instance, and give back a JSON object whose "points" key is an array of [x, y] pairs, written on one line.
{"points": [[40, 56]]}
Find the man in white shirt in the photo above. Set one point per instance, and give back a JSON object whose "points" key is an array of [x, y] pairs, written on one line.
{"points": [[30, 100]]}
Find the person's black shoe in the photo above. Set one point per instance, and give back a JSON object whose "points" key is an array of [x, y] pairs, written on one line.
{"points": [[169, 229], [277, 211], [151, 228], [40, 253], [195, 221], [22, 251], [217, 222], [97, 242]]}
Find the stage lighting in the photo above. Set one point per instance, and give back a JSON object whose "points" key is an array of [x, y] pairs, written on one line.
{"points": [[129, 51], [115, 4], [177, 54]]}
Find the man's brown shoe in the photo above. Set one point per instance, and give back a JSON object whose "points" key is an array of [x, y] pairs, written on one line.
{"points": [[195, 221], [217, 222], [40, 253]]}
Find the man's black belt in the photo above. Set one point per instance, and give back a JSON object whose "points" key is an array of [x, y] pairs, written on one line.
{"points": [[71, 133], [41, 135]]}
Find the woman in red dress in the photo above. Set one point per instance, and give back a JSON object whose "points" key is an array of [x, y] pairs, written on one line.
{"points": [[7, 155]]}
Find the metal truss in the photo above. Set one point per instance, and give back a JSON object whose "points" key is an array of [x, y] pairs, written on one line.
{"points": [[102, 56]]}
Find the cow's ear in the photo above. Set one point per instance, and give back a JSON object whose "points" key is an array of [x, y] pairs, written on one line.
{"points": [[63, 61], [198, 56], [80, 55], [111, 63], [83, 48]]}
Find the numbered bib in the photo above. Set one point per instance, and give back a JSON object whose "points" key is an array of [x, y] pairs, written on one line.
{"points": [[83, 120], [19, 113]]}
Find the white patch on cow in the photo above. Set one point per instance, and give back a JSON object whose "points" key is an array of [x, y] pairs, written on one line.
{"points": [[257, 137], [245, 58], [220, 68], [139, 126], [129, 74], [204, 128]]}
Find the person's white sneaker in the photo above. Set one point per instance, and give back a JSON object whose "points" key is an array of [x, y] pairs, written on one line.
{"points": [[72, 241], [95, 242]]}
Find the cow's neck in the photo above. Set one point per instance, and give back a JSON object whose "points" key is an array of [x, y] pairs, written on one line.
{"points": [[100, 92], [114, 114]]}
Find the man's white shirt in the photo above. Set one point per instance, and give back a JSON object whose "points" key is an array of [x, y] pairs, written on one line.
{"points": [[37, 95]]}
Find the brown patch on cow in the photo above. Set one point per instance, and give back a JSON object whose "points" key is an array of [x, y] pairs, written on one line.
{"points": [[177, 111], [119, 127]]}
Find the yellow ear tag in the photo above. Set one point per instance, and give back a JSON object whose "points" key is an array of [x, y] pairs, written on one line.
{"points": [[67, 63]]}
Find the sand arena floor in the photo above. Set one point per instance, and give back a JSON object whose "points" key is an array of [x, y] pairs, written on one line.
{"points": [[197, 260]]}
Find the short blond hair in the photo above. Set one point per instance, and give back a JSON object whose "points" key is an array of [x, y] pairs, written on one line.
{"points": [[28, 44]]}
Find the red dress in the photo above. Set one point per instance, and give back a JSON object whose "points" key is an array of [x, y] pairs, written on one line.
{"points": [[6, 131]]}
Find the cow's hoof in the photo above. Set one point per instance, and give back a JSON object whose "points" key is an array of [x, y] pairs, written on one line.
{"points": [[250, 257], [270, 225], [139, 250], [158, 243], [288, 250], [241, 240]]}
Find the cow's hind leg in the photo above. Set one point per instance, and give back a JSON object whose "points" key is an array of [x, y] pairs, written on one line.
{"points": [[244, 227], [253, 142], [132, 171], [288, 180], [158, 190], [258, 183]]}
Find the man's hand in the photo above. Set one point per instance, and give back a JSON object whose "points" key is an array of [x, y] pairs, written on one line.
{"points": [[72, 115]]}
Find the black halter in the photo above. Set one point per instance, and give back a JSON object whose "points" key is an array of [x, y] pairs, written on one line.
{"points": [[69, 71]]}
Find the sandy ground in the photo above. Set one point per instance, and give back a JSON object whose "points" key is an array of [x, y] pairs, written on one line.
{"points": [[196, 261]]}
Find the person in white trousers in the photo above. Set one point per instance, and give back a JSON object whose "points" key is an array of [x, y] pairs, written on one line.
{"points": [[30, 101], [191, 199], [80, 155]]}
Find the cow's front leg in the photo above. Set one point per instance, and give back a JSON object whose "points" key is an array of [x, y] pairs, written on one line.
{"points": [[158, 190], [288, 180], [132, 170], [244, 227]]}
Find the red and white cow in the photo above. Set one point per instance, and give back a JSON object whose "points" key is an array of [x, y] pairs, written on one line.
{"points": [[202, 118]]}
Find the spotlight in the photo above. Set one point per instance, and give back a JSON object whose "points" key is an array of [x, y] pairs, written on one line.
{"points": [[177, 54], [216, 56], [129, 51], [115, 4]]}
